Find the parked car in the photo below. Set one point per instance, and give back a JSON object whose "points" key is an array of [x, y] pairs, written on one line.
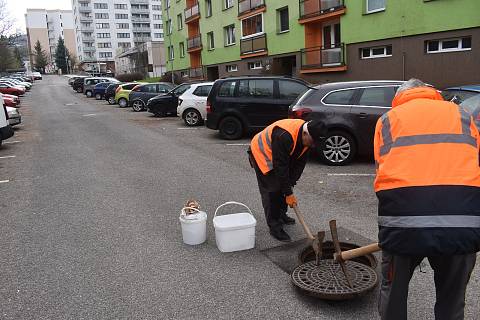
{"points": [[26, 85], [37, 75], [15, 99], [72, 79], [9, 102], [6, 130], [141, 93], [14, 116], [78, 85], [9, 89], [89, 84], [460, 93], [236, 106], [472, 106], [13, 84], [192, 104], [167, 103], [350, 110], [99, 90], [109, 94], [122, 92]]}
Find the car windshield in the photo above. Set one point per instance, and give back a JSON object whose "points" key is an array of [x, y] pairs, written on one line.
{"points": [[180, 89], [471, 104]]}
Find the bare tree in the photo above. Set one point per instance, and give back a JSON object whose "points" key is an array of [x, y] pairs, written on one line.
{"points": [[6, 21]]}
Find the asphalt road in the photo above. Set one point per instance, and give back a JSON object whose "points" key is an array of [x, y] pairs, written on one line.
{"points": [[89, 208]]}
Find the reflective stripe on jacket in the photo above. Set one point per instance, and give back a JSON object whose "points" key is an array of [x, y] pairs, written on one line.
{"points": [[261, 144], [428, 176]]}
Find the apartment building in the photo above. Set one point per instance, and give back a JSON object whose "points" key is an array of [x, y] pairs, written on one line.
{"points": [[47, 26], [106, 28], [325, 40]]}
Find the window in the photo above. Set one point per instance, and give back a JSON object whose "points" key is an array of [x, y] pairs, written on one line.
{"points": [[104, 45], [229, 35], [161, 88], [290, 89], [459, 96], [231, 68], [121, 16], [169, 26], [100, 6], [376, 52], [157, 17], [103, 35], [342, 97], [227, 4], [181, 89], [181, 47], [282, 20], [158, 26], [105, 54], [377, 97], [124, 45], [167, 2], [179, 21], [375, 6], [123, 35], [202, 91], [208, 8], [101, 15], [449, 45], [102, 25], [255, 65], [156, 7], [158, 35], [123, 26], [171, 54], [252, 26], [210, 41], [120, 6], [152, 88], [255, 88], [227, 89]]}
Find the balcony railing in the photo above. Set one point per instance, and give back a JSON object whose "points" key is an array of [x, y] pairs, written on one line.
{"points": [[192, 12], [138, 1], [140, 10], [85, 9], [86, 19], [86, 29], [323, 57], [141, 29], [253, 45], [89, 49], [314, 8], [140, 19], [88, 38], [195, 72], [245, 6], [194, 42], [141, 39]]}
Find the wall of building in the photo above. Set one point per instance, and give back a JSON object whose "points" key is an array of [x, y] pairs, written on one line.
{"points": [[177, 36]]}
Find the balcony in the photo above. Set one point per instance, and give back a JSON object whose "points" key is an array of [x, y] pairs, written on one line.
{"points": [[89, 49], [254, 46], [140, 19], [247, 6], [85, 9], [317, 10], [140, 10], [194, 43], [86, 29], [195, 73], [323, 59], [87, 39], [138, 1], [84, 1], [141, 38], [141, 29], [86, 19], [192, 13]]}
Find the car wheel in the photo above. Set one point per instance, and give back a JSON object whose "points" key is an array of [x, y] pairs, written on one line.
{"points": [[79, 90], [89, 94], [122, 102], [138, 105], [98, 96], [338, 149], [111, 100], [192, 117], [231, 128]]}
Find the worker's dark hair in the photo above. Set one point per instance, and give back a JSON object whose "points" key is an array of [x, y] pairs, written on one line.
{"points": [[317, 129]]}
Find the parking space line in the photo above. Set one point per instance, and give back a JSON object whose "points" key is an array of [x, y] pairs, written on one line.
{"points": [[187, 128], [89, 115], [4, 181], [352, 174], [6, 157], [11, 142]]}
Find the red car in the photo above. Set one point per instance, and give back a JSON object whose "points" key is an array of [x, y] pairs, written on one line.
{"points": [[5, 88], [15, 99], [9, 102]]}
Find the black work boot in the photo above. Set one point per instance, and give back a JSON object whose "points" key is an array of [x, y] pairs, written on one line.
{"points": [[280, 235], [287, 220]]}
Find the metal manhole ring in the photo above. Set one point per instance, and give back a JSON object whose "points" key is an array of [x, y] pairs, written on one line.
{"points": [[327, 280]]}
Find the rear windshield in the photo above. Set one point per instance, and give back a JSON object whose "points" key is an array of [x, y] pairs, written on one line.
{"points": [[129, 86]]}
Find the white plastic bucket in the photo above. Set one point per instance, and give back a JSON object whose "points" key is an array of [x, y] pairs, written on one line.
{"points": [[194, 226], [234, 232]]}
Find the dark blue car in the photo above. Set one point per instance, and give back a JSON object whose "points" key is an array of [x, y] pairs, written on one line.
{"points": [[460, 93], [99, 90]]}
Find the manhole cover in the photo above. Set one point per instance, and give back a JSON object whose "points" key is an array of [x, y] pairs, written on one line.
{"points": [[327, 281]]}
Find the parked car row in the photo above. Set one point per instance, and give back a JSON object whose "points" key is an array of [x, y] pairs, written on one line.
{"points": [[244, 105]]}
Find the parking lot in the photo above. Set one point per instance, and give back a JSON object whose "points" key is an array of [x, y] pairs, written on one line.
{"points": [[90, 199]]}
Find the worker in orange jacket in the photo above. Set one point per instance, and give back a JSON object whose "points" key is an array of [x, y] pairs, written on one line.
{"points": [[428, 187], [279, 154]]}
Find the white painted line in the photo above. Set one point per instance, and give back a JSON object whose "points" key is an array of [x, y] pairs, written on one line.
{"points": [[351, 174], [4, 181], [89, 115], [187, 128], [6, 157], [10, 142], [237, 144]]}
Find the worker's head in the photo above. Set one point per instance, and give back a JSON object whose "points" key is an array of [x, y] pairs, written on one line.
{"points": [[410, 84], [413, 89], [314, 132]]}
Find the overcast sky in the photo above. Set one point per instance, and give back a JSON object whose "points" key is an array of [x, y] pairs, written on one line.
{"points": [[18, 8]]}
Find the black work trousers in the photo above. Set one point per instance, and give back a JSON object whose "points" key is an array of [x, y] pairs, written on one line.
{"points": [[451, 276], [273, 199]]}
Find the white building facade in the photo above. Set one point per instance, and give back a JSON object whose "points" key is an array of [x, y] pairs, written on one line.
{"points": [[106, 28]]}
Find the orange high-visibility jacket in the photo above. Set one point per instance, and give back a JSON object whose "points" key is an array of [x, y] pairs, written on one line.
{"points": [[261, 144], [428, 176]]}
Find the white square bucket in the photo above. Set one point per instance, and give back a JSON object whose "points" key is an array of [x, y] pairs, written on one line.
{"points": [[236, 231]]}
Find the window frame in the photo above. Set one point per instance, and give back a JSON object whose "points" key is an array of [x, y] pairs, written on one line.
{"points": [[255, 34], [440, 45], [229, 68], [210, 41], [225, 4], [279, 20], [375, 10], [372, 56], [254, 63], [181, 48], [179, 21], [226, 35]]}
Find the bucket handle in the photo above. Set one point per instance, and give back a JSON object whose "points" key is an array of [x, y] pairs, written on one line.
{"points": [[192, 208], [229, 203]]}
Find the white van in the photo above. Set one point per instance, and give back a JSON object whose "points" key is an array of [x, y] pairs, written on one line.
{"points": [[6, 130]]}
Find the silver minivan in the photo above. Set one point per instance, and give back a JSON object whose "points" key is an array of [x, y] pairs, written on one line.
{"points": [[89, 84]]}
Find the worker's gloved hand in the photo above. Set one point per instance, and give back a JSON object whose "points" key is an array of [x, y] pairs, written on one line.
{"points": [[291, 200]]}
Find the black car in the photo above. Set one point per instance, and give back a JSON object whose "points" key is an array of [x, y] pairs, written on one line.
{"points": [[236, 106], [140, 94], [77, 85], [166, 103], [350, 110], [109, 94]]}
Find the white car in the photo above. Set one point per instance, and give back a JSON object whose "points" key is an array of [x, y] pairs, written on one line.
{"points": [[192, 104], [14, 116], [6, 130]]}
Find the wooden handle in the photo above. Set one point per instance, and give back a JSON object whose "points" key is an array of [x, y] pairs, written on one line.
{"points": [[302, 222], [358, 252]]}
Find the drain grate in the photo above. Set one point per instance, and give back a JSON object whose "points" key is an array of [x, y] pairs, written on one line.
{"points": [[327, 280]]}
